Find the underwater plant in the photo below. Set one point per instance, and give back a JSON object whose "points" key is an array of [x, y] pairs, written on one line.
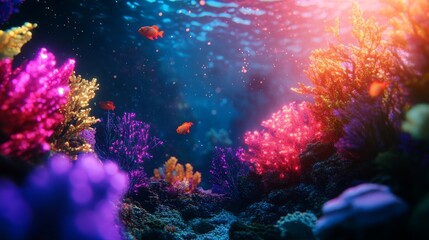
{"points": [[12, 40], [67, 137], [126, 141], [409, 38], [175, 174], [341, 72], [64, 200], [225, 170], [369, 129], [30, 99], [274, 151]]}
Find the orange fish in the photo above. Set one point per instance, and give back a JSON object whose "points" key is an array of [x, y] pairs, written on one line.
{"points": [[185, 128], [151, 32], [376, 88], [107, 105]]}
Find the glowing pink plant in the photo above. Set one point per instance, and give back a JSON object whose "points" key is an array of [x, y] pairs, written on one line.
{"points": [[274, 150], [30, 97]]}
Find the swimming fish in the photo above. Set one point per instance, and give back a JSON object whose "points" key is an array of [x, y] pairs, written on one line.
{"points": [[185, 128], [151, 32], [376, 88], [107, 105]]}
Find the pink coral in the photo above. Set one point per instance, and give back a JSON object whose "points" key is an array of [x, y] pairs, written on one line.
{"points": [[30, 98], [275, 149]]}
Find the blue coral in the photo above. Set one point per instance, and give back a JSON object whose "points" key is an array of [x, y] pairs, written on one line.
{"points": [[7, 8]]}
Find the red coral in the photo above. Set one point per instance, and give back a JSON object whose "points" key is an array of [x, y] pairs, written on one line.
{"points": [[275, 149], [30, 98]]}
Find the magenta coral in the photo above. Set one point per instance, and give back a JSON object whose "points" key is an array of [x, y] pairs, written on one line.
{"points": [[274, 150], [30, 97]]}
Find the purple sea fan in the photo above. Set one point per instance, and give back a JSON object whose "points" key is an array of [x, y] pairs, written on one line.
{"points": [[129, 143], [63, 200], [226, 169], [30, 99], [370, 129]]}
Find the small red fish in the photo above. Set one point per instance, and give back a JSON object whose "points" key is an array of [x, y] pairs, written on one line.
{"points": [[376, 88], [107, 105], [185, 128], [151, 32]]}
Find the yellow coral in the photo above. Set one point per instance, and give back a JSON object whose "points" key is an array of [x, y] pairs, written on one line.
{"points": [[176, 175], [67, 137], [12, 40], [343, 71]]}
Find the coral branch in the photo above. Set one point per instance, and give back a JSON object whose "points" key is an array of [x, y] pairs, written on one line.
{"points": [[30, 99], [13, 39], [67, 137]]}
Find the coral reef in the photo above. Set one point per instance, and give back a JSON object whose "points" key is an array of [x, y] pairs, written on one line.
{"points": [[274, 151], [67, 137], [64, 201], [12, 40], [30, 99], [175, 174]]}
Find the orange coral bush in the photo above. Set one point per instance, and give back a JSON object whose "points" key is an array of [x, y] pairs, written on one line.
{"points": [[342, 71], [409, 34], [175, 174]]}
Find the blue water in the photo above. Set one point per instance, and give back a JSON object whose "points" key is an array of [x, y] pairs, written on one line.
{"points": [[224, 65]]}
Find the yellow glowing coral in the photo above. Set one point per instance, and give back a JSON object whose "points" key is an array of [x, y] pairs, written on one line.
{"points": [[176, 175], [12, 40], [409, 32], [343, 71], [68, 136]]}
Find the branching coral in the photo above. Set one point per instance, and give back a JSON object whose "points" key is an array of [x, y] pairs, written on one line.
{"points": [[13, 39], [341, 72], [175, 174], [67, 137], [30, 99], [126, 141], [409, 33], [226, 168], [369, 130], [275, 149]]}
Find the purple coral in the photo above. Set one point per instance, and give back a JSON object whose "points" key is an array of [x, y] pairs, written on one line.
{"points": [[7, 8], [370, 129], [30, 99], [64, 201], [129, 143], [226, 169], [359, 207]]}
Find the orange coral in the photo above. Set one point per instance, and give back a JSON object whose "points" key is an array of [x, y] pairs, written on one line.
{"points": [[176, 175], [341, 72]]}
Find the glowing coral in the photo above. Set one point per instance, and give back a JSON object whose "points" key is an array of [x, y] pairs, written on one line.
{"points": [[175, 174], [12, 40], [275, 149], [30, 99], [67, 137], [343, 71]]}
